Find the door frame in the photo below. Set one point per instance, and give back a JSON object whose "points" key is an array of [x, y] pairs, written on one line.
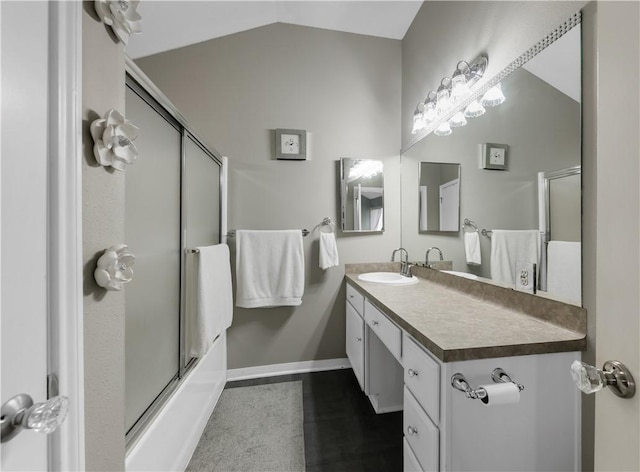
{"points": [[65, 317]]}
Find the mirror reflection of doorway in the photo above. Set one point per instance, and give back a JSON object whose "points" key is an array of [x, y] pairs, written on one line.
{"points": [[449, 204], [367, 208]]}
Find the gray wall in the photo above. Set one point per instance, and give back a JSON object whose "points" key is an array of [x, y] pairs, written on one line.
{"points": [[103, 226], [542, 128], [342, 88], [444, 33]]}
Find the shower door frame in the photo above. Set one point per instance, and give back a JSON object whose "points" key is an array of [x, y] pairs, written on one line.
{"points": [[544, 214], [141, 85]]}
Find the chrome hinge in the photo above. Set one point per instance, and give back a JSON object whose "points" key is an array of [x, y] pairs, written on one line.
{"points": [[53, 388]]}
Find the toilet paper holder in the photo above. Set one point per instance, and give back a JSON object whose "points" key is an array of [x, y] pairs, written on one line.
{"points": [[498, 375]]}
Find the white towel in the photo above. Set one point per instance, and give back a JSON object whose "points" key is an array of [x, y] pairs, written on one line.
{"points": [[270, 268], [508, 247], [564, 278], [214, 308], [328, 251], [472, 248]]}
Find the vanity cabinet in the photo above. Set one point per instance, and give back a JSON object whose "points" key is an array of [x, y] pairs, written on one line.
{"points": [[373, 345], [355, 343], [443, 429]]}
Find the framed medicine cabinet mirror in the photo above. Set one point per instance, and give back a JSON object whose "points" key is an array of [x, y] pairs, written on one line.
{"points": [[361, 195]]}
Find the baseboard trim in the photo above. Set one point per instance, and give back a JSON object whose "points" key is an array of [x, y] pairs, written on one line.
{"points": [[273, 370]]}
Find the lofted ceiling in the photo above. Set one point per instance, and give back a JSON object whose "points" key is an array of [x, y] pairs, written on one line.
{"points": [[169, 25]]}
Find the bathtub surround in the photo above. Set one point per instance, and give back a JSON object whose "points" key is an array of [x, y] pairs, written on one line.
{"points": [[345, 90], [254, 428]]}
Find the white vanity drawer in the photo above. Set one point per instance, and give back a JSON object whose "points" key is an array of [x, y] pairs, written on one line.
{"points": [[421, 434], [356, 299], [383, 327], [422, 377], [409, 461]]}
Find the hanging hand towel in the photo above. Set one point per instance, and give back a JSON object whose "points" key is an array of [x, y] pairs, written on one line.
{"points": [[508, 247], [214, 307], [270, 268], [472, 248], [564, 278], [328, 251]]}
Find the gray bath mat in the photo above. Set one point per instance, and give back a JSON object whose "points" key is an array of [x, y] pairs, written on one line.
{"points": [[254, 429]]}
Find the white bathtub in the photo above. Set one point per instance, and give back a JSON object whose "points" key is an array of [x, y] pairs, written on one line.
{"points": [[169, 442]]}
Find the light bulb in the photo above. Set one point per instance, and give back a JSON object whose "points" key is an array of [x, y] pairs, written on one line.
{"points": [[474, 110], [493, 97], [429, 112], [417, 122], [458, 120], [443, 104], [459, 85], [443, 130]]}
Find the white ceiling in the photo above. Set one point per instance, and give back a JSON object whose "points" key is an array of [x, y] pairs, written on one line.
{"points": [[169, 25]]}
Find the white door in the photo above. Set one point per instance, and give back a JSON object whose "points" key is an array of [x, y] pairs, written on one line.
{"points": [[449, 205], [24, 219], [34, 238], [617, 303]]}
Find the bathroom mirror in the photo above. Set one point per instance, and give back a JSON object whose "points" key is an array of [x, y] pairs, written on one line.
{"points": [[362, 195], [540, 122], [439, 197]]}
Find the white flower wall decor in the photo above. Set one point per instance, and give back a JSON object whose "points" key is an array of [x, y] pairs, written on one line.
{"points": [[121, 15], [114, 267], [113, 138]]}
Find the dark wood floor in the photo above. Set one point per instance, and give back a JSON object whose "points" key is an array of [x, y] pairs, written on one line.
{"points": [[341, 430]]}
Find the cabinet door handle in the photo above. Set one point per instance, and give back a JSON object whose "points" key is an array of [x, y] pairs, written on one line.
{"points": [[412, 373], [375, 323], [358, 339], [411, 430]]}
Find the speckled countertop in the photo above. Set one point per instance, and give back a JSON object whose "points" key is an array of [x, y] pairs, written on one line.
{"points": [[460, 319]]}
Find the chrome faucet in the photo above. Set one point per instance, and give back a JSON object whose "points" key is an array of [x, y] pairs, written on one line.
{"points": [[405, 268], [426, 256]]}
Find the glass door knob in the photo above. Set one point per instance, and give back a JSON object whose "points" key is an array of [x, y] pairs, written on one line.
{"points": [[20, 413], [614, 374]]}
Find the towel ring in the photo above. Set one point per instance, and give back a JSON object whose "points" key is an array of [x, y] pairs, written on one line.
{"points": [[468, 222], [326, 221]]}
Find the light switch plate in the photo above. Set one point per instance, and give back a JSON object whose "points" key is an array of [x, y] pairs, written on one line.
{"points": [[525, 276]]}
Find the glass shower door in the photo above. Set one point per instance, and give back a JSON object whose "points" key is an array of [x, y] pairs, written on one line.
{"points": [[152, 232]]}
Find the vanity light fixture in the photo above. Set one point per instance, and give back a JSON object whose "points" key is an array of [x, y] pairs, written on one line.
{"points": [[493, 97], [452, 90]]}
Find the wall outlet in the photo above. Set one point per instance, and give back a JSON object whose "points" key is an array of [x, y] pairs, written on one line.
{"points": [[525, 276]]}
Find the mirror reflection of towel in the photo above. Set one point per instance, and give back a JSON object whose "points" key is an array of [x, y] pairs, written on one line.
{"points": [[507, 247], [564, 278], [472, 248]]}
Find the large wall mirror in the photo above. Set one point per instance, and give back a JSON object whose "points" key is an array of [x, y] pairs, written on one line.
{"points": [[539, 191], [362, 194]]}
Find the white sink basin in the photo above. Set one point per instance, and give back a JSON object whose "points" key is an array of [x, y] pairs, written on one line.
{"points": [[388, 278], [466, 275]]}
